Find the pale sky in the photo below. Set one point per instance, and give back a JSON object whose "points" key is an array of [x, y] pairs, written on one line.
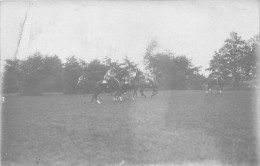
{"points": [[89, 30]]}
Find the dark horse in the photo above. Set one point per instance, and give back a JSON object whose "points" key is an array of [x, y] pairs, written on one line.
{"points": [[133, 85], [114, 83], [219, 82], [212, 82], [149, 84], [139, 82]]}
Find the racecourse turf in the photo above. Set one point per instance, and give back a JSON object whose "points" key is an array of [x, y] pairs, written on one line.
{"points": [[173, 128]]}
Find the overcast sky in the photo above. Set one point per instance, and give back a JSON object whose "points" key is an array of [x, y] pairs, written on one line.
{"points": [[117, 29]]}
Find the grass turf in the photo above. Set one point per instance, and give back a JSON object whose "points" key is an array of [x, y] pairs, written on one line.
{"points": [[175, 127]]}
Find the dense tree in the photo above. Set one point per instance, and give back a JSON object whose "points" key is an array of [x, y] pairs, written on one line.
{"points": [[12, 80], [33, 74], [72, 72], [250, 63], [53, 72], [238, 56], [175, 71], [149, 60], [38, 73]]}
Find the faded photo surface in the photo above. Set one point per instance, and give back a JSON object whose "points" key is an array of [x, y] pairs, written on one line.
{"points": [[129, 83]]}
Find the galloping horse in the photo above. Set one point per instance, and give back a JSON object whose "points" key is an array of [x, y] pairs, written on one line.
{"points": [[150, 83], [133, 85], [114, 83], [211, 82], [219, 82]]}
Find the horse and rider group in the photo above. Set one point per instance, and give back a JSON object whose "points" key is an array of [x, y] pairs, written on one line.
{"points": [[128, 79], [216, 78]]}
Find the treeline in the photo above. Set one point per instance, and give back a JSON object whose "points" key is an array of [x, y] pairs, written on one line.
{"points": [[38, 73], [42, 73], [46, 73], [238, 56]]}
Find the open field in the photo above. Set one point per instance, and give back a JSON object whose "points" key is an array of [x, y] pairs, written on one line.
{"points": [[173, 128]]}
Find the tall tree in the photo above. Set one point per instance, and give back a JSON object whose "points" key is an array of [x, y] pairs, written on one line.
{"points": [[249, 62], [12, 79], [72, 71], [33, 75], [53, 72], [94, 72], [237, 56], [174, 70], [149, 54]]}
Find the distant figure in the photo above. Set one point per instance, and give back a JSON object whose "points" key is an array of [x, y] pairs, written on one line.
{"points": [[214, 79], [215, 75], [81, 79]]}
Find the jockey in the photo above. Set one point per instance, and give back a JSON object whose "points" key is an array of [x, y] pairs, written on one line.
{"points": [[109, 74], [132, 73], [127, 77], [215, 75], [129, 67], [149, 78]]}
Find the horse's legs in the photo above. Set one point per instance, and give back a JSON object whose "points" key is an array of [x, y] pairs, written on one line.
{"points": [[154, 92], [133, 97], [142, 92], [209, 90], [120, 98], [220, 89], [134, 94], [118, 94], [116, 97], [95, 96]]}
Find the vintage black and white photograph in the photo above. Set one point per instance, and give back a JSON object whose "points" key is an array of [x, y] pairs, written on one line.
{"points": [[129, 83]]}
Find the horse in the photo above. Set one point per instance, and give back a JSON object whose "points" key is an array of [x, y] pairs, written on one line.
{"points": [[133, 85], [149, 84], [219, 82], [211, 82], [114, 83]]}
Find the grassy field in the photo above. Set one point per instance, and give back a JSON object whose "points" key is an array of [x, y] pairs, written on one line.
{"points": [[173, 128]]}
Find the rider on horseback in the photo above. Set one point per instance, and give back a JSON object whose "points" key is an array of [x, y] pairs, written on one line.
{"points": [[131, 72], [130, 76], [109, 74], [215, 75]]}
